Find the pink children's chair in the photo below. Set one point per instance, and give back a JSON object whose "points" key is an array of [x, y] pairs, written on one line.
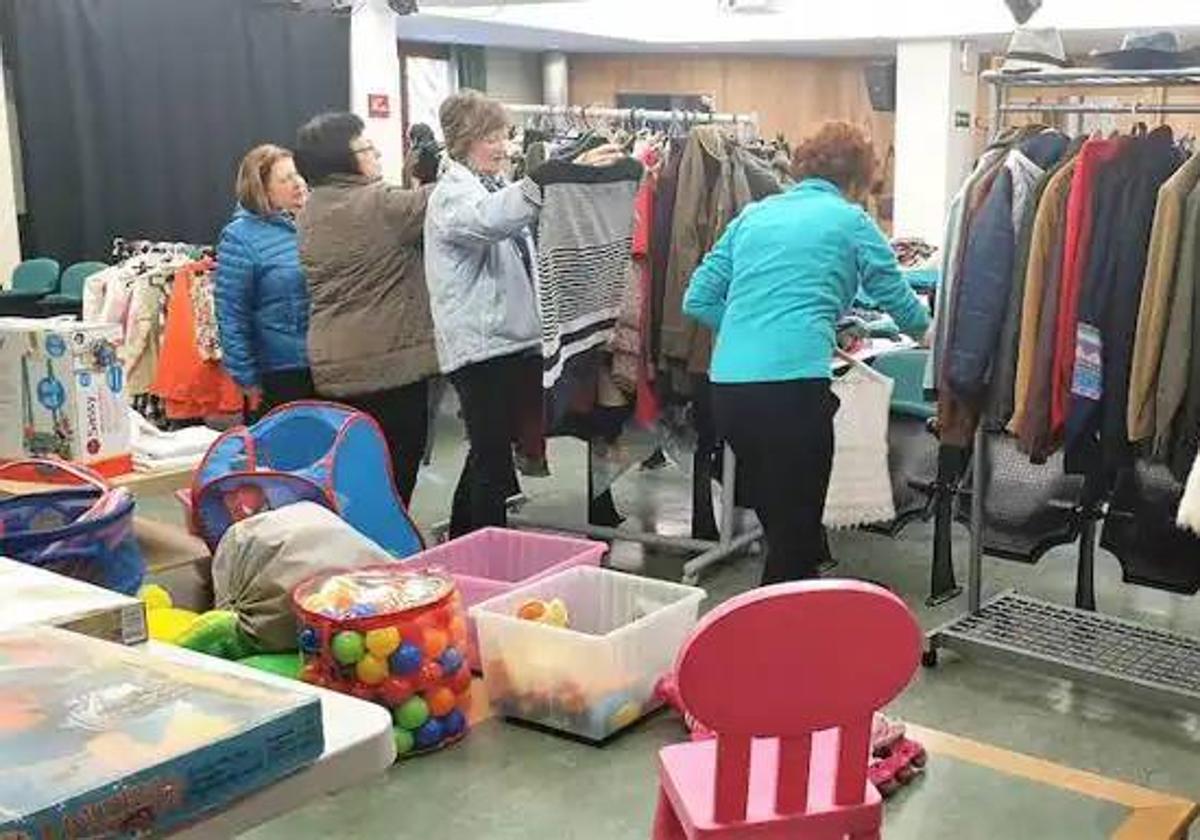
{"points": [[788, 677]]}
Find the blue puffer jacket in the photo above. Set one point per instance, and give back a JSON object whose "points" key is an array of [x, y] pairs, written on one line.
{"points": [[262, 297]]}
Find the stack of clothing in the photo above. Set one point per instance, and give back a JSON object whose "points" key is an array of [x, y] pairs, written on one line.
{"points": [[155, 450]]}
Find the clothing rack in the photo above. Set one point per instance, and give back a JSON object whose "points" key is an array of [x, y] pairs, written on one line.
{"points": [[585, 112], [708, 552], [1075, 643]]}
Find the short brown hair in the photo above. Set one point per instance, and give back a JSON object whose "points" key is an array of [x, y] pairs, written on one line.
{"points": [[469, 116], [838, 152], [253, 175]]}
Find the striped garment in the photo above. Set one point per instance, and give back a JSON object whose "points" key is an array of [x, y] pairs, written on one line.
{"points": [[584, 243]]}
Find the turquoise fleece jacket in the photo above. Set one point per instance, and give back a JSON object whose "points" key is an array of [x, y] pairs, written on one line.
{"points": [[783, 273]]}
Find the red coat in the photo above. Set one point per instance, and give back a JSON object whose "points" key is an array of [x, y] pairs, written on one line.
{"points": [[1076, 246]]}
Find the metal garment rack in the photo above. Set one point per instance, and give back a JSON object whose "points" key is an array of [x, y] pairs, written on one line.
{"points": [[1075, 643], [708, 552], [585, 113]]}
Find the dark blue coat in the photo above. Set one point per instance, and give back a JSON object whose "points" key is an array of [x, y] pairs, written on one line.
{"points": [[986, 279]]}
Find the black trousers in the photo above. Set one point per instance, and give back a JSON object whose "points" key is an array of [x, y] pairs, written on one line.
{"points": [[489, 392], [284, 386], [782, 435], [403, 414]]}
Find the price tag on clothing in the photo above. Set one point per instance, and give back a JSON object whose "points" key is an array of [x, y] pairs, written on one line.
{"points": [[1087, 381]]}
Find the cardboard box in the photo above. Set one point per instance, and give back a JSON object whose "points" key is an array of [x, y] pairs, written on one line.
{"points": [[62, 391], [101, 740], [36, 596]]}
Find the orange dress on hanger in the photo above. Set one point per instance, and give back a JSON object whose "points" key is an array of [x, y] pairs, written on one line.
{"points": [[190, 387]]}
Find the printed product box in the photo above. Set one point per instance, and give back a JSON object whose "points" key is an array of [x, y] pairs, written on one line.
{"points": [[62, 392]]}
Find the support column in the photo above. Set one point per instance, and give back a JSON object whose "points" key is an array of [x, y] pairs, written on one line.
{"points": [[555, 79], [10, 243], [936, 89], [375, 72]]}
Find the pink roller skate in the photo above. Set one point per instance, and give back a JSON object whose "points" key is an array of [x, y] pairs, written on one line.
{"points": [[667, 691], [902, 763]]}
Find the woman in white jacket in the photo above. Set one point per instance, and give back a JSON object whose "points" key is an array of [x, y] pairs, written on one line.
{"points": [[480, 267]]}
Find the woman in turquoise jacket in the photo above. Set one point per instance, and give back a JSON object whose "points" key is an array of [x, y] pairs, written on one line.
{"points": [[261, 293], [773, 289]]}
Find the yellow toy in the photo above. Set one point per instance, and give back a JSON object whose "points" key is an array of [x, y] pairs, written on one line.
{"points": [[552, 612], [164, 620], [215, 632]]}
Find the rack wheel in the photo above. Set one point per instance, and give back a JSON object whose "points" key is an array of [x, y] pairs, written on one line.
{"points": [[929, 658]]}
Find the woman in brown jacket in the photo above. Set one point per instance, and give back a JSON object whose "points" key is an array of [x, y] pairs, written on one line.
{"points": [[370, 338]]}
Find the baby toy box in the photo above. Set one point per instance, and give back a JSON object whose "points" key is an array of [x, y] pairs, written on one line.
{"points": [[591, 670], [37, 596], [101, 740], [62, 392]]}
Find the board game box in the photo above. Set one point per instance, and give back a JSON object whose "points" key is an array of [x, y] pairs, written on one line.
{"points": [[103, 741]]}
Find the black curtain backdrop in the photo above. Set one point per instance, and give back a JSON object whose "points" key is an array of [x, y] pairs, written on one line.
{"points": [[134, 114]]}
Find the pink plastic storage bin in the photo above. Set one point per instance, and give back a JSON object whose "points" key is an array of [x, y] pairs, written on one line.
{"points": [[494, 561]]}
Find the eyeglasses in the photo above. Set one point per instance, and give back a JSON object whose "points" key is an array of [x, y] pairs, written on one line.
{"points": [[368, 149]]}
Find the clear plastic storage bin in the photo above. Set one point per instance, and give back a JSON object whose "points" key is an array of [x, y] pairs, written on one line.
{"points": [[492, 561], [597, 676]]}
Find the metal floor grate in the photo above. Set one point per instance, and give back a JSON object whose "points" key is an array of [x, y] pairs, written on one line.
{"points": [[1074, 643]]}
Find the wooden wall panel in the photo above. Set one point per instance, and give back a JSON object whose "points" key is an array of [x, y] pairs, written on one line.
{"points": [[790, 95]]}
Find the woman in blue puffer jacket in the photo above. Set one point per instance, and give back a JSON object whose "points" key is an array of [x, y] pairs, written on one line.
{"points": [[261, 292]]}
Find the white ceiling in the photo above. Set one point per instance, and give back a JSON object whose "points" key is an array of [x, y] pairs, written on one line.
{"points": [[798, 27]]}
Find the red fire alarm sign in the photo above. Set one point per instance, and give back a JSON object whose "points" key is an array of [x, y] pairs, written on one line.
{"points": [[378, 106]]}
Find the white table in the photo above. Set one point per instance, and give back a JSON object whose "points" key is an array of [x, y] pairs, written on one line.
{"points": [[358, 748]]}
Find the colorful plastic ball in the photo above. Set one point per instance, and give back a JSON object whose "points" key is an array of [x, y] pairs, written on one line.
{"points": [[310, 642], [371, 669], [409, 632], [348, 647], [430, 674], [451, 660], [383, 643], [404, 741], [430, 734], [454, 723], [461, 681], [406, 659], [412, 714], [625, 716], [394, 691], [434, 642], [458, 630], [441, 701], [311, 674]]}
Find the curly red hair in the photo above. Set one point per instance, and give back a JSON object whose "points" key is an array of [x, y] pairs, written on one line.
{"points": [[839, 152]]}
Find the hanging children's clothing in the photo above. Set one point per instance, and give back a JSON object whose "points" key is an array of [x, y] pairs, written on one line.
{"points": [[190, 386]]}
